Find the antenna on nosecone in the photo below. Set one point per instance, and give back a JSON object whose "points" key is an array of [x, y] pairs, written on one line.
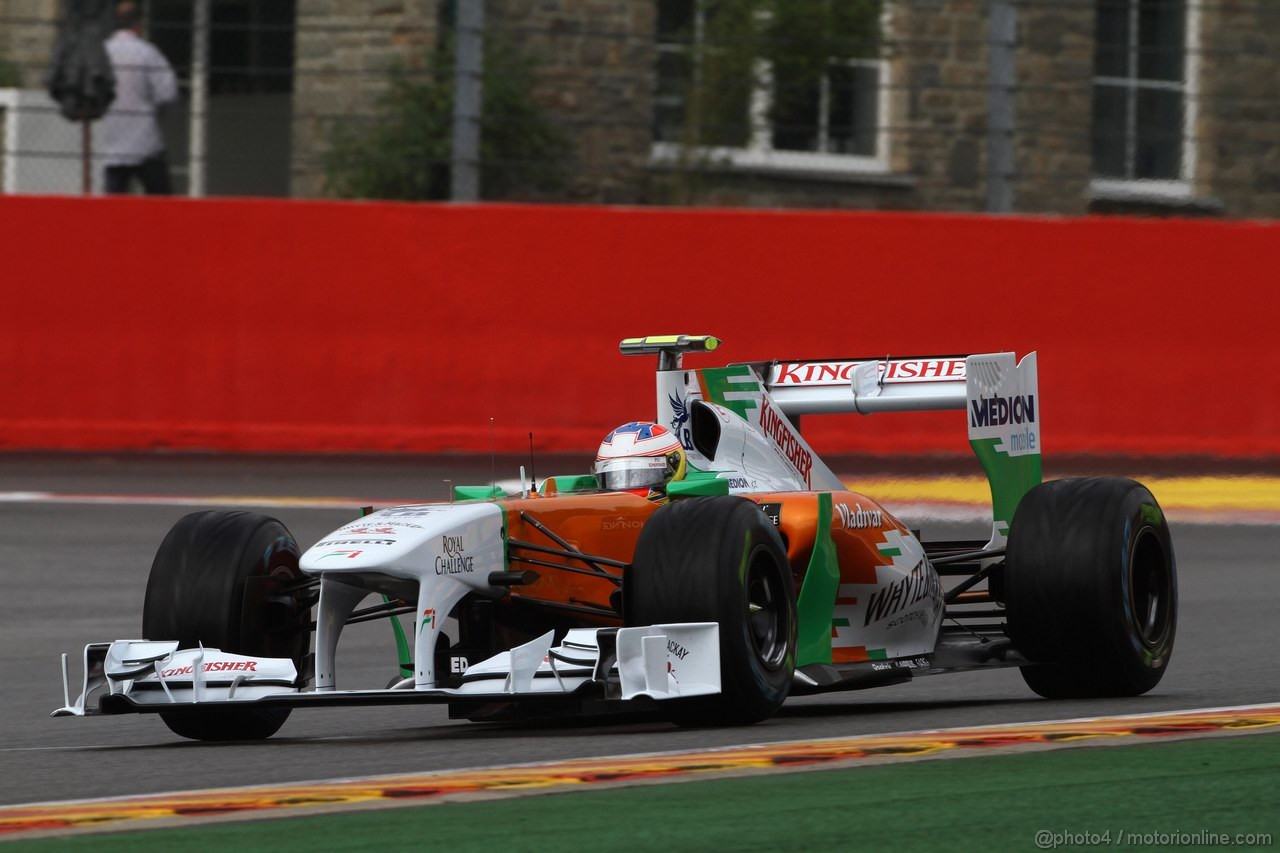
{"points": [[493, 464]]}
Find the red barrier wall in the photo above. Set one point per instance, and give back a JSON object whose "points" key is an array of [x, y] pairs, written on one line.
{"points": [[257, 325]]}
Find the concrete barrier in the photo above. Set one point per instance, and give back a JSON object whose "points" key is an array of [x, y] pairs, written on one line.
{"points": [[288, 326]]}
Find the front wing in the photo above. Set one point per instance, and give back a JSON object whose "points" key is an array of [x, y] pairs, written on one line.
{"points": [[660, 662]]}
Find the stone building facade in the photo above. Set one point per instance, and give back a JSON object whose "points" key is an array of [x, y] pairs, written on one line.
{"points": [[594, 72], [1237, 132], [598, 76], [344, 52], [26, 37]]}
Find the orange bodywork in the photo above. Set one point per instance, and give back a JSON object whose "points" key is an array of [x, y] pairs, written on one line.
{"points": [[604, 525], [609, 524]]}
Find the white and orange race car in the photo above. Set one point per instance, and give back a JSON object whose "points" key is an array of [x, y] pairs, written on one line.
{"points": [[752, 576]]}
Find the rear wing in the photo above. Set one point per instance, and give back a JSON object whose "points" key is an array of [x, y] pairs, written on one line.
{"points": [[998, 394], [866, 386]]}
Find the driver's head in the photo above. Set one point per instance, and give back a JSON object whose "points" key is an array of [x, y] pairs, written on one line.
{"points": [[639, 455]]}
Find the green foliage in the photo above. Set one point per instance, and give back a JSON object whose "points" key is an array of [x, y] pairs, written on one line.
{"points": [[10, 74], [798, 39], [403, 151], [716, 56]]}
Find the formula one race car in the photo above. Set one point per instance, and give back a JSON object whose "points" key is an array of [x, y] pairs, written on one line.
{"points": [[708, 578]]}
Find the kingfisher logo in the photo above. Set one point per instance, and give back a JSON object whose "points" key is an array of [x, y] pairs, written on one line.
{"points": [[214, 666], [787, 442], [999, 411]]}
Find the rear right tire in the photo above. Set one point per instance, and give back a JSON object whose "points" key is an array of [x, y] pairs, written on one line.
{"points": [[1091, 588]]}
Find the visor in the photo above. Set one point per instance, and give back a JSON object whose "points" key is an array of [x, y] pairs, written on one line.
{"points": [[634, 472]]}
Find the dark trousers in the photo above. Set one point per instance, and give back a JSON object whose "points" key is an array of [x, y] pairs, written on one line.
{"points": [[152, 172]]}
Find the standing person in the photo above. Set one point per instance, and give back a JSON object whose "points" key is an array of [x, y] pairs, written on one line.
{"points": [[131, 140]]}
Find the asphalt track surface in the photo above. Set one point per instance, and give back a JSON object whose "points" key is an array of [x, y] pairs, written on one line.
{"points": [[76, 572]]}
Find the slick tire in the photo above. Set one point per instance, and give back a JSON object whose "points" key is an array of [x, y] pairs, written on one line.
{"points": [[215, 581], [1091, 588], [719, 559]]}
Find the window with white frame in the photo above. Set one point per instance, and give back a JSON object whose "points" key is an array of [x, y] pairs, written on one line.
{"points": [[1143, 99], [787, 84]]}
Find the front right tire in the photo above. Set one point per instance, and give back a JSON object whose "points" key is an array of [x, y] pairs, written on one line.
{"points": [[719, 559]]}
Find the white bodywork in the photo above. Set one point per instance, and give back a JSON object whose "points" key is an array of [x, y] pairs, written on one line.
{"points": [[158, 673], [444, 550], [659, 661]]}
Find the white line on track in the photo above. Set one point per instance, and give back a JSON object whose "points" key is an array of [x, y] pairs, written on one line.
{"points": [[289, 501], [636, 755], [911, 513]]}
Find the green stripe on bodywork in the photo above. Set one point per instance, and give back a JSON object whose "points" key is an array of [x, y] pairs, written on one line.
{"points": [[718, 382], [1010, 477], [572, 483], [877, 654], [402, 644], [477, 493], [698, 484], [818, 592]]}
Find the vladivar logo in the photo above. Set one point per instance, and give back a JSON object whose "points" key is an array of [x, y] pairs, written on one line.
{"points": [[859, 518]]}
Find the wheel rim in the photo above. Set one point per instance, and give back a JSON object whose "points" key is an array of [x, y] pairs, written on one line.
{"points": [[768, 619], [283, 636], [1150, 588]]}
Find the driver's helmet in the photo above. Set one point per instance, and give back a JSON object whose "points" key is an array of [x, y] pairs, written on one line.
{"points": [[639, 455]]}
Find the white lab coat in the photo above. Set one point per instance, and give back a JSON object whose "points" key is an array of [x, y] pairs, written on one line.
{"points": [[144, 81]]}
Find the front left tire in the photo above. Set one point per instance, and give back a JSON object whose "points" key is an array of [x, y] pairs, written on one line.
{"points": [[216, 581]]}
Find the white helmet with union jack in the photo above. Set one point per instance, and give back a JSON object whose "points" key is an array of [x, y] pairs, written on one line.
{"points": [[639, 455]]}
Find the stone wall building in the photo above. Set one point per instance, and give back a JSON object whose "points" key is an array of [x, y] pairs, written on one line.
{"points": [[344, 52], [26, 37], [1162, 107]]}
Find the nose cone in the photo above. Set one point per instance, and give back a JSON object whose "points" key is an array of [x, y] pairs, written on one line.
{"points": [[462, 541]]}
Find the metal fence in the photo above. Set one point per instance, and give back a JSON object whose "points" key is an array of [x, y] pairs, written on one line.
{"points": [[1067, 106]]}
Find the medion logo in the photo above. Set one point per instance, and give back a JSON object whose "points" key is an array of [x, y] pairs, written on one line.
{"points": [[998, 411]]}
